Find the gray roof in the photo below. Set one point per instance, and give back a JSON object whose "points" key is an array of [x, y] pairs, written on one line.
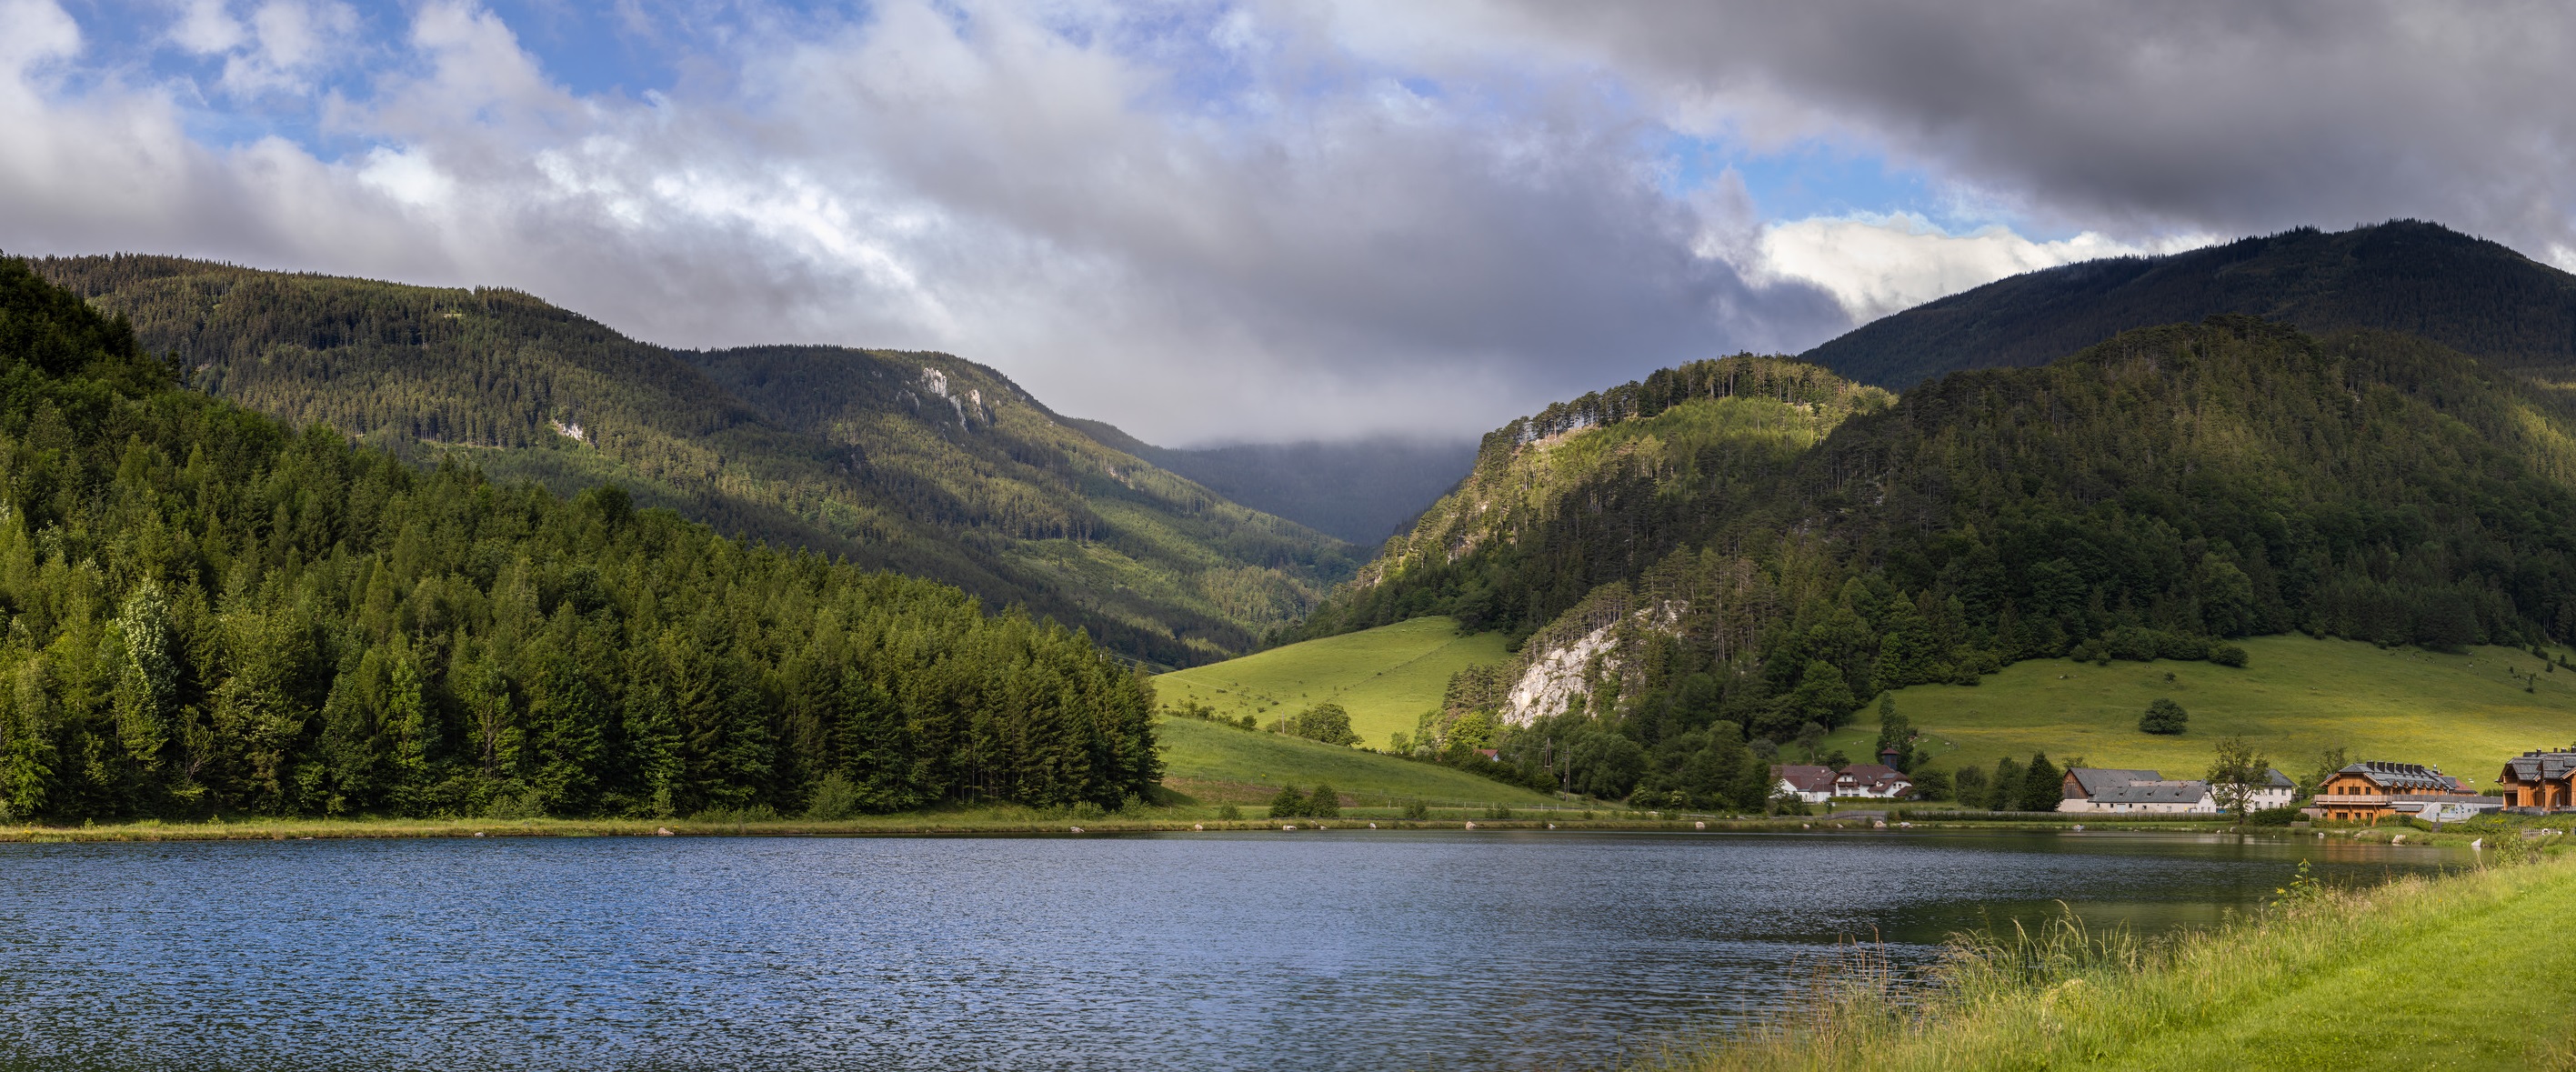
{"points": [[2177, 792], [2538, 767], [2401, 776], [2095, 780]]}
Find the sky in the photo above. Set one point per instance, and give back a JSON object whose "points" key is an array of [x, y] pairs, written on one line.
{"points": [[1266, 220]]}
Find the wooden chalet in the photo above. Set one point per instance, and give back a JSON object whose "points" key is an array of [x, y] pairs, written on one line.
{"points": [[2540, 781], [2370, 791]]}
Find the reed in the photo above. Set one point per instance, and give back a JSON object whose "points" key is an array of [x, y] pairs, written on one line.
{"points": [[2455, 970]]}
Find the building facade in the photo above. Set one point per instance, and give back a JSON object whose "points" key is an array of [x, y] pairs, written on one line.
{"points": [[2106, 789], [2539, 781], [2371, 791]]}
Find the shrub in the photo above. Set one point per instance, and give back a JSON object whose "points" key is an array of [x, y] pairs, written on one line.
{"points": [[1325, 722], [1289, 804], [1417, 810], [1324, 803], [2281, 816], [1229, 813], [2227, 655], [834, 799], [2163, 717]]}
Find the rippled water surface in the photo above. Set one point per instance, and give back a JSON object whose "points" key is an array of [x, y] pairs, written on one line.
{"points": [[1324, 950]]}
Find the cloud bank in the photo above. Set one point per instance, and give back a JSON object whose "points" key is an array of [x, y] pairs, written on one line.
{"points": [[1259, 221]]}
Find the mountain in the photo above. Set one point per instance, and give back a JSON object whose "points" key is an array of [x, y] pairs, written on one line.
{"points": [[2155, 495], [212, 613], [2422, 279], [920, 463], [1595, 490], [1361, 492]]}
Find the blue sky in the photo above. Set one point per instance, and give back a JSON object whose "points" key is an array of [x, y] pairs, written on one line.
{"points": [[1259, 219]]}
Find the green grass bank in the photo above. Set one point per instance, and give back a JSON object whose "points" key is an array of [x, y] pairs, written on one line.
{"points": [[2465, 972]]}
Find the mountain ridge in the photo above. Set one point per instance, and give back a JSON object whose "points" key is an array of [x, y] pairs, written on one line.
{"points": [[2468, 293], [919, 462]]}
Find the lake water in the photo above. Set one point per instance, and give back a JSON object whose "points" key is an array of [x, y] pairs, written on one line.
{"points": [[1313, 950]]}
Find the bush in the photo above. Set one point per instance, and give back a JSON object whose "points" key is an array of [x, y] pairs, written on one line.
{"points": [[1229, 813], [2163, 717], [1417, 810], [1289, 804], [1324, 803], [834, 799], [1324, 722], [2227, 655], [2281, 816]]}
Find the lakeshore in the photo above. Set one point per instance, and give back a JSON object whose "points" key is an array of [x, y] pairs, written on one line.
{"points": [[2463, 971], [1006, 820]]}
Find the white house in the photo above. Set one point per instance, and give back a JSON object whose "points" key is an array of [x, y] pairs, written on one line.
{"points": [[2097, 789], [1872, 780], [2276, 790], [1812, 784]]}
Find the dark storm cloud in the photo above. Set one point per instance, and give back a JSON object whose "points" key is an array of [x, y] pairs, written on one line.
{"points": [[2219, 116]]}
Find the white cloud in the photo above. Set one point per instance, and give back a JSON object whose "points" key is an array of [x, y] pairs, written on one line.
{"points": [[1278, 219], [207, 27], [1876, 265]]}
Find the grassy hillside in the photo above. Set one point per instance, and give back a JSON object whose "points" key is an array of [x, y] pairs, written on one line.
{"points": [[2464, 713], [1217, 764], [921, 463], [1385, 677], [2466, 293]]}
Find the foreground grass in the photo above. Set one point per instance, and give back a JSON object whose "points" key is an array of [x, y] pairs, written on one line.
{"points": [[1220, 764], [2299, 696], [1385, 677], [2470, 972]]}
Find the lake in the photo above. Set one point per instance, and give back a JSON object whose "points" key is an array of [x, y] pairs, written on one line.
{"points": [[1312, 950]]}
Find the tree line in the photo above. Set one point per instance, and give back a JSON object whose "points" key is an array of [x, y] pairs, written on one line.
{"points": [[210, 613]]}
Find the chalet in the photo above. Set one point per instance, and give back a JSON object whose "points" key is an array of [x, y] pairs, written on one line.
{"points": [[1872, 780], [1813, 784], [2541, 781], [2101, 789], [2368, 792]]}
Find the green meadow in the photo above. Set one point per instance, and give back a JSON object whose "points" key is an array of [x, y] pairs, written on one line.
{"points": [[1220, 764], [1385, 677], [2465, 713]]}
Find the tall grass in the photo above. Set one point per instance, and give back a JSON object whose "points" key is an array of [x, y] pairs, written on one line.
{"points": [[2065, 995]]}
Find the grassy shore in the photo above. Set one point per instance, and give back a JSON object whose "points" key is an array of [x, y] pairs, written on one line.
{"points": [[1016, 820], [2470, 971]]}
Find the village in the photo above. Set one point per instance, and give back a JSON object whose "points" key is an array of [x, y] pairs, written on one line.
{"points": [[2537, 782]]}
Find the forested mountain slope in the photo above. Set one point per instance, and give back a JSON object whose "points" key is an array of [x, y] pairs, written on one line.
{"points": [[921, 463], [2150, 496], [1595, 490], [209, 612], [2467, 293]]}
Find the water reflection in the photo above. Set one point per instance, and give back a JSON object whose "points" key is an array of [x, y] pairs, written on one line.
{"points": [[1345, 949]]}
